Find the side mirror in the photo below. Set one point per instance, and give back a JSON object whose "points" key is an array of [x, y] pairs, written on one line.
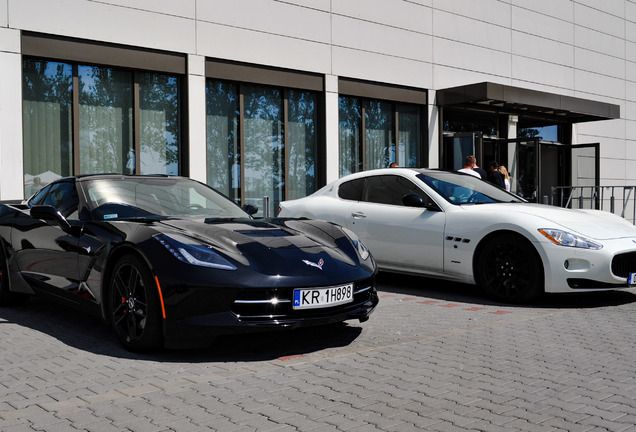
{"points": [[49, 214], [415, 200], [250, 209]]}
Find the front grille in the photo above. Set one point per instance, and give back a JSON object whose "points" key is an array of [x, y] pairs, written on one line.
{"points": [[624, 264], [276, 303]]}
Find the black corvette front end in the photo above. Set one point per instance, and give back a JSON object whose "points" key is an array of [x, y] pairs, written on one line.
{"points": [[281, 279], [259, 309]]}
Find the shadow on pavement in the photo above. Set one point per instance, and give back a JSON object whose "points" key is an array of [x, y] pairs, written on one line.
{"points": [[88, 333], [458, 292]]}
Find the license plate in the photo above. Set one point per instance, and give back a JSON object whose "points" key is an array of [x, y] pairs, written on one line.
{"points": [[322, 297], [631, 280]]}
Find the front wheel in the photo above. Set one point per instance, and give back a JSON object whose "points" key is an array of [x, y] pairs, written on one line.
{"points": [[510, 270], [134, 305]]}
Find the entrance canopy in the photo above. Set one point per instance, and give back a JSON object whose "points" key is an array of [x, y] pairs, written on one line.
{"points": [[505, 99]]}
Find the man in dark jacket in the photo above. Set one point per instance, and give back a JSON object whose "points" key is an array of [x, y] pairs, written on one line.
{"points": [[494, 176]]}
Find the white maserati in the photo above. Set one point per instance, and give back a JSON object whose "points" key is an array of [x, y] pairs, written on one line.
{"points": [[455, 226]]}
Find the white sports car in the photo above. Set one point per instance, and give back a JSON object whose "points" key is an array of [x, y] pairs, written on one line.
{"points": [[457, 227]]}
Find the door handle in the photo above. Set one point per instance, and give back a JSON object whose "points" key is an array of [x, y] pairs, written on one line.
{"points": [[358, 215]]}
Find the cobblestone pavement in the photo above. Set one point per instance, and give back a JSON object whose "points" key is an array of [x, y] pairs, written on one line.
{"points": [[434, 356]]}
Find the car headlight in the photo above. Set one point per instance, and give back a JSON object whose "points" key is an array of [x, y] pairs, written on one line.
{"points": [[191, 251], [360, 247], [564, 238]]}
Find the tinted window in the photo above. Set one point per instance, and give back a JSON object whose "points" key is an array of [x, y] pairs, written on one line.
{"points": [[351, 190], [63, 197], [390, 189], [38, 198]]}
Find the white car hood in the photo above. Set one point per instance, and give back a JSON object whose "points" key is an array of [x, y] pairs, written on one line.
{"points": [[594, 224]]}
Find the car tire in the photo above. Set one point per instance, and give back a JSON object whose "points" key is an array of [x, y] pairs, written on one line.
{"points": [[509, 269], [133, 305], [8, 298]]}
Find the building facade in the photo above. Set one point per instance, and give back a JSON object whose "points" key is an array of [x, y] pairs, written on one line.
{"points": [[276, 98]]}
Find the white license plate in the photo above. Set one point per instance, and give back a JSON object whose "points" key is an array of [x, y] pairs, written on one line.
{"points": [[631, 280], [322, 297]]}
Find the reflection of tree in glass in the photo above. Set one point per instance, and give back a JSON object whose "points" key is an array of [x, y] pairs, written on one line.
{"points": [[264, 145], [303, 143], [47, 96], [223, 157], [105, 97], [160, 120], [350, 118]]}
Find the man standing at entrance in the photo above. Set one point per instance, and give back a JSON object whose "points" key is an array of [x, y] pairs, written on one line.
{"points": [[470, 167]]}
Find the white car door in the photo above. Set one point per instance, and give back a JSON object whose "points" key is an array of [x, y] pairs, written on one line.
{"points": [[399, 237]]}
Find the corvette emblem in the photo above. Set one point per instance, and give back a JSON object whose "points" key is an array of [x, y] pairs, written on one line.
{"points": [[319, 264]]}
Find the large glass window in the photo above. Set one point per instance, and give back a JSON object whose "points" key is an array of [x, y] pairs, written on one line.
{"points": [[160, 124], [109, 131], [105, 120], [48, 119], [261, 141], [376, 133]]}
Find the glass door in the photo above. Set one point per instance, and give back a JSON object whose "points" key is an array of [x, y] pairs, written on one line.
{"points": [[457, 146]]}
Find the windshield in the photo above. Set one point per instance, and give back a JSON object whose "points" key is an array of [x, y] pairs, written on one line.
{"points": [[466, 189], [145, 197]]}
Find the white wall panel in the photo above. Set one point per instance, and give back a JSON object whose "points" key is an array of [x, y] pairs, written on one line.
{"points": [[4, 17], [598, 20], [540, 72], [11, 182], [599, 85], [381, 39], [181, 8], [395, 13], [268, 16], [599, 42], [381, 68], [560, 9], [630, 56], [612, 7], [539, 48], [471, 58], [9, 41], [471, 31], [532, 22], [249, 46], [104, 22], [607, 129], [492, 11], [446, 77], [599, 63], [323, 5], [612, 169]]}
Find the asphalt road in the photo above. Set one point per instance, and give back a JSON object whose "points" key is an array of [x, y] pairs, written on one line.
{"points": [[434, 356]]}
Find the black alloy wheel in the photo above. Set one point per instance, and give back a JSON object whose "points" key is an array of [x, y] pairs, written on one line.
{"points": [[134, 305], [510, 270], [8, 298]]}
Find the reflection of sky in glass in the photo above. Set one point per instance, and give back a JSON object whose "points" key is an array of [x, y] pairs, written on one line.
{"points": [[548, 133]]}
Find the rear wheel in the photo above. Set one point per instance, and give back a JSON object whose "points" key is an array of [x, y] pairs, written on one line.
{"points": [[510, 270], [134, 305], [8, 298]]}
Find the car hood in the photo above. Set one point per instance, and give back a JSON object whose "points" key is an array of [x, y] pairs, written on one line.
{"points": [[273, 246], [594, 224]]}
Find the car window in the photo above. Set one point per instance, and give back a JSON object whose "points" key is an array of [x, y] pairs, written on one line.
{"points": [[38, 198], [351, 190], [63, 197], [390, 189], [466, 189]]}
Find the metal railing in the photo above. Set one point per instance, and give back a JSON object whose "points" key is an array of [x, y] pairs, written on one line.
{"points": [[615, 199]]}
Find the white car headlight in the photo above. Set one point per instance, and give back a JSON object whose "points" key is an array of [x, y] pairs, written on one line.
{"points": [[564, 238], [190, 251]]}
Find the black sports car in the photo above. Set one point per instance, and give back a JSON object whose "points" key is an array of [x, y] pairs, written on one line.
{"points": [[170, 260]]}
